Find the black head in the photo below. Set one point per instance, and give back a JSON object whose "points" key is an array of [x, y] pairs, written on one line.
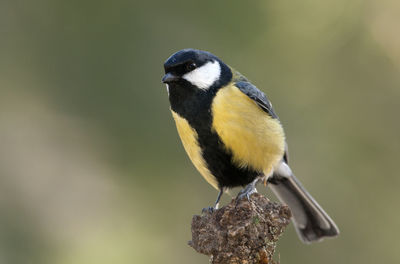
{"points": [[195, 68]]}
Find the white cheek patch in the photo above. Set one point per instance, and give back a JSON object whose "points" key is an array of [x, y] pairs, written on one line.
{"points": [[204, 76]]}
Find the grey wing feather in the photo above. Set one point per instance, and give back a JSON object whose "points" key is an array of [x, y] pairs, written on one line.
{"points": [[257, 96]]}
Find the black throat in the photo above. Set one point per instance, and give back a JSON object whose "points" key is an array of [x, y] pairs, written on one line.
{"points": [[194, 105]]}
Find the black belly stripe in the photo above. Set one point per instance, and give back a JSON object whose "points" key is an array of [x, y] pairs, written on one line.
{"points": [[195, 108], [219, 162]]}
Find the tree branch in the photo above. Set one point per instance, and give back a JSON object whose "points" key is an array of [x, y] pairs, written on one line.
{"points": [[241, 232]]}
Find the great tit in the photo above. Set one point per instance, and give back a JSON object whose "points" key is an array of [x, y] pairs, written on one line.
{"points": [[233, 136]]}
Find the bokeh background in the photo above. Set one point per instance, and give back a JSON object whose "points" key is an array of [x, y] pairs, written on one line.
{"points": [[91, 167]]}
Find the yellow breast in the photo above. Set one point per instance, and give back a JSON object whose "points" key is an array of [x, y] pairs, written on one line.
{"points": [[255, 139], [189, 140]]}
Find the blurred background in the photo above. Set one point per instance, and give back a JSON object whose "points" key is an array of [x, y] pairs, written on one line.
{"points": [[91, 166]]}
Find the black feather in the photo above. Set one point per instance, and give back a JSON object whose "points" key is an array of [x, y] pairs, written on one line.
{"points": [[257, 96]]}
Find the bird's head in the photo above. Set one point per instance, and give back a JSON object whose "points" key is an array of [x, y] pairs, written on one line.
{"points": [[195, 69]]}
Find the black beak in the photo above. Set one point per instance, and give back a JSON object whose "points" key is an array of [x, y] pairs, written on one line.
{"points": [[169, 77]]}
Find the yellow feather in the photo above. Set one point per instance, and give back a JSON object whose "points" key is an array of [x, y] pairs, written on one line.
{"points": [[189, 140], [255, 139]]}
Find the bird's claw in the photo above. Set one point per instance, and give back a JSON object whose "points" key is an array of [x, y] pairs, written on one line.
{"points": [[245, 195], [208, 210], [246, 192]]}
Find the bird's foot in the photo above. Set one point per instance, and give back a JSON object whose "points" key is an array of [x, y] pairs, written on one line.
{"points": [[208, 210], [246, 194], [247, 191], [212, 209]]}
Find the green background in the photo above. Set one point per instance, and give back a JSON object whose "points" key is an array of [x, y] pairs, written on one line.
{"points": [[91, 166]]}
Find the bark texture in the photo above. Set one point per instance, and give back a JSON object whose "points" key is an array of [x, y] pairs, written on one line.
{"points": [[242, 232]]}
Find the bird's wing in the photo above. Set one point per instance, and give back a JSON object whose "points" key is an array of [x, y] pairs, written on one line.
{"points": [[262, 101], [286, 154], [257, 96]]}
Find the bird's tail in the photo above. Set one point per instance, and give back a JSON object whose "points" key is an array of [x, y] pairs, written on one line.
{"points": [[312, 223]]}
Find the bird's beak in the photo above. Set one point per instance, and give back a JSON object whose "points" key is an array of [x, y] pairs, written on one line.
{"points": [[169, 77]]}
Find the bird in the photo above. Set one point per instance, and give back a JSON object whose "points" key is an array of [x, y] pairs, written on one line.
{"points": [[234, 137]]}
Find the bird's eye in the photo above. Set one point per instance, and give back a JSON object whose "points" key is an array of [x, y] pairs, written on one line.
{"points": [[190, 66]]}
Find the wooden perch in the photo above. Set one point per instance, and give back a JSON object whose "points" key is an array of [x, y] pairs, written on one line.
{"points": [[242, 232]]}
